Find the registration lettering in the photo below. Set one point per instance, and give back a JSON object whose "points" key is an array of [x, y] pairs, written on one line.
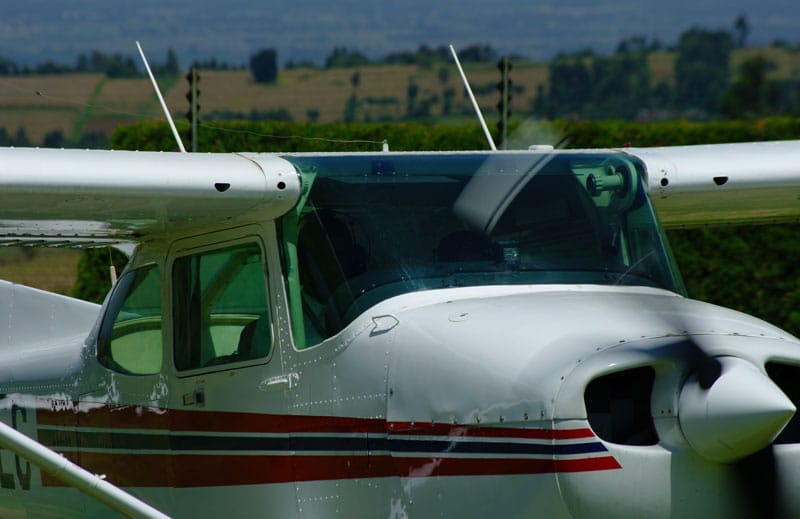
{"points": [[17, 474]]}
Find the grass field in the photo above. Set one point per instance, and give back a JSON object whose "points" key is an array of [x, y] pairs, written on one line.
{"points": [[77, 103], [53, 270], [382, 92], [57, 90]]}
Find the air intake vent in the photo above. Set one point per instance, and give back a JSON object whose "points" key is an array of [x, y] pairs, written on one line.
{"points": [[787, 377], [618, 406]]}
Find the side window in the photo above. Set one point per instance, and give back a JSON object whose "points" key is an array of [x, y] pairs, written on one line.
{"points": [[220, 307], [130, 336]]}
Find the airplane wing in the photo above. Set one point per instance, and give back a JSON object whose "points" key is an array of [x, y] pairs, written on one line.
{"points": [[756, 182], [92, 197]]}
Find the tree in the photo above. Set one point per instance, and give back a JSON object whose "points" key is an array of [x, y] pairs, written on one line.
{"points": [[21, 139], [342, 57], [54, 139], [405, 57], [702, 69], [264, 66], [113, 66], [94, 279], [172, 67], [751, 94], [662, 95], [215, 64], [50, 67], [82, 64], [350, 107], [569, 85], [742, 29], [412, 91], [8, 67], [448, 96], [620, 85], [638, 43], [95, 140], [444, 75], [478, 54], [424, 56], [539, 104]]}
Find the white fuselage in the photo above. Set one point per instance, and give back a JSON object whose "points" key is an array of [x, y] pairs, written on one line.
{"points": [[454, 402]]}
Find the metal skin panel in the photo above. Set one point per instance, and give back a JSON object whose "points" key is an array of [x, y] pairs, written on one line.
{"points": [[449, 343], [530, 356], [21, 310], [43, 334], [124, 195], [433, 408]]}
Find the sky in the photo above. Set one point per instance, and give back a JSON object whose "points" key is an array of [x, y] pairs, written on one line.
{"points": [[39, 30]]}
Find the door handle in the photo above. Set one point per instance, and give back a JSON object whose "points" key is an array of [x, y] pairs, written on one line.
{"points": [[280, 382]]}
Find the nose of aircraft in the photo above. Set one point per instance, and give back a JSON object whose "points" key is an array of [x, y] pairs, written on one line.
{"points": [[740, 414]]}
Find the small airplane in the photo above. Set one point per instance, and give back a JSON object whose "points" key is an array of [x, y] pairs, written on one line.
{"points": [[395, 335], [449, 334]]}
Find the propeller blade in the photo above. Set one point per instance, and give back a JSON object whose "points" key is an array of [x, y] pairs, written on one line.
{"points": [[757, 478], [707, 368]]}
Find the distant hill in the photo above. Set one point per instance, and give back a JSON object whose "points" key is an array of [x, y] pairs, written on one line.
{"points": [[37, 30]]}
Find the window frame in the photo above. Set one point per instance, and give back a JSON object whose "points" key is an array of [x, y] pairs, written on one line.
{"points": [[103, 343], [195, 247]]}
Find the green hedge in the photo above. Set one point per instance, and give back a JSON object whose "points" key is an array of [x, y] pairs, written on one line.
{"points": [[599, 134], [753, 269], [274, 136], [750, 268]]}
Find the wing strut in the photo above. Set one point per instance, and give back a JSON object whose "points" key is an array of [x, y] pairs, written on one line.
{"points": [[76, 476]]}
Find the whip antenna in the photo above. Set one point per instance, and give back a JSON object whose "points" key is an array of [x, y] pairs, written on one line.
{"points": [[161, 99], [474, 102]]}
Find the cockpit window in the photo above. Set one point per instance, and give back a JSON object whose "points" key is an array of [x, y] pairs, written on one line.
{"points": [[220, 307], [376, 226], [130, 339]]}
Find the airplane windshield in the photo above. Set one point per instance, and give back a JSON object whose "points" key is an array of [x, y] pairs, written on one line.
{"points": [[379, 225]]}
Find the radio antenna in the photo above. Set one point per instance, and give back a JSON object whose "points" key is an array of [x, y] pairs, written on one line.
{"points": [[474, 102], [161, 99]]}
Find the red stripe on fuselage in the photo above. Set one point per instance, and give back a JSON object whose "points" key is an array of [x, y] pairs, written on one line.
{"points": [[186, 471], [427, 467], [586, 464], [176, 469], [191, 470]]}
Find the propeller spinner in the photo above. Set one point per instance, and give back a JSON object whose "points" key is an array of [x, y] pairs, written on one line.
{"points": [[741, 412]]}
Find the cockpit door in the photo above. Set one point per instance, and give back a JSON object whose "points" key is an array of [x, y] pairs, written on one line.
{"points": [[227, 402]]}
